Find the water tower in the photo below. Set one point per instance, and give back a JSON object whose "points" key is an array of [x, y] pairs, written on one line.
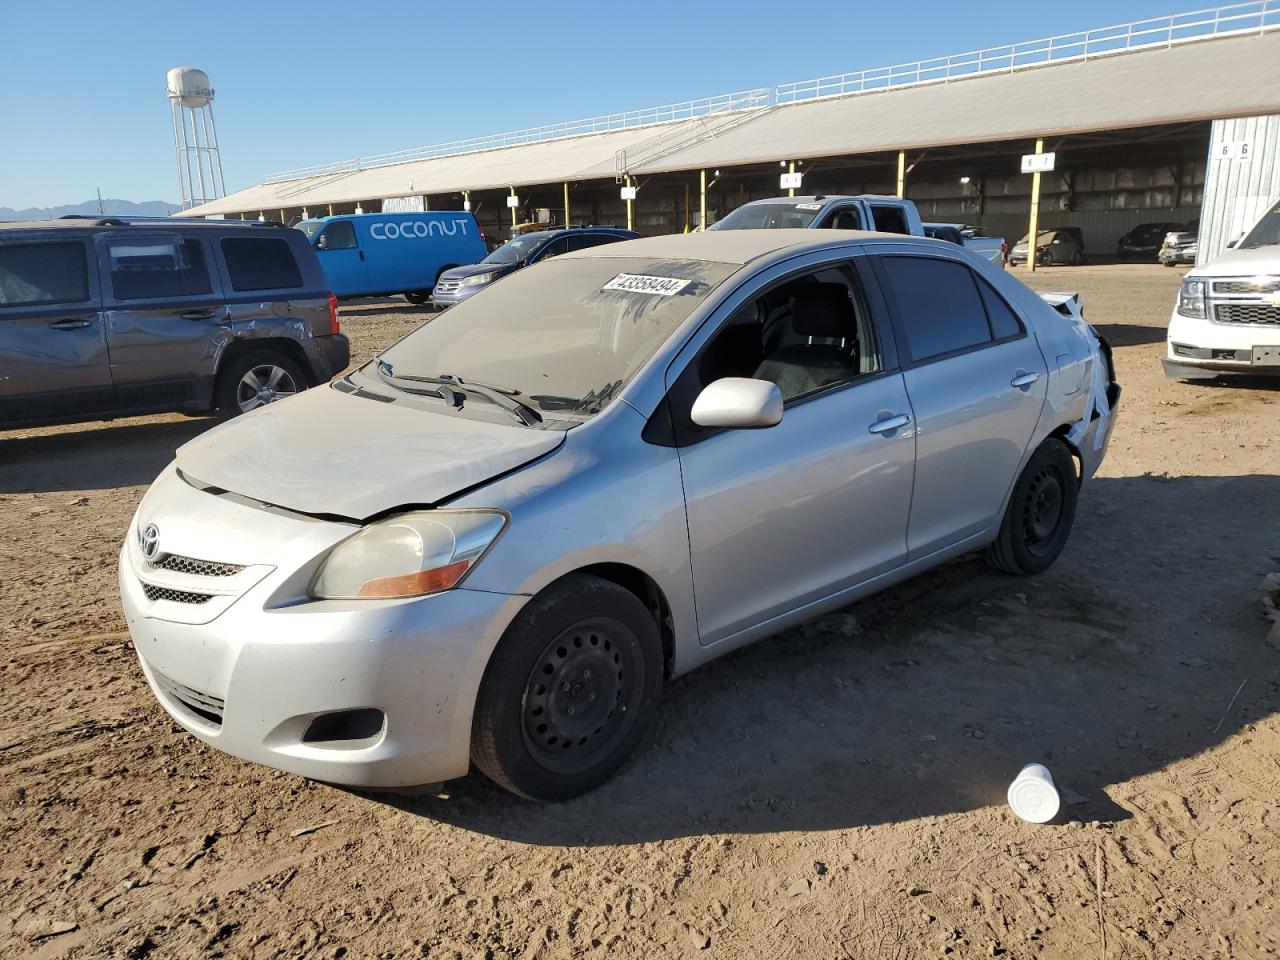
{"points": [[195, 137]]}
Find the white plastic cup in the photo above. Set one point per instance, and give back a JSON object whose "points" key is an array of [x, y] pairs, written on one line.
{"points": [[1032, 794]]}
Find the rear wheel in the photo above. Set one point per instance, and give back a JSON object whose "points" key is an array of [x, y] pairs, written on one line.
{"points": [[569, 690], [1040, 514], [255, 379]]}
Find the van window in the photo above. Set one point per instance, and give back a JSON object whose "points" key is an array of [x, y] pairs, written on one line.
{"points": [[34, 273], [260, 263], [889, 219], [938, 303], [150, 267], [338, 236]]}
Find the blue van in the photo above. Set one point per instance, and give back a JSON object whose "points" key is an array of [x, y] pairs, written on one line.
{"points": [[380, 254]]}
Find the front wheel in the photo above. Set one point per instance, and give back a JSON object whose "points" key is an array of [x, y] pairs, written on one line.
{"points": [[1041, 511], [569, 690], [418, 298], [255, 379]]}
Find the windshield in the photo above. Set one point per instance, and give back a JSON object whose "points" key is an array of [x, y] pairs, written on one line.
{"points": [[563, 336], [1266, 232], [310, 227], [770, 216], [513, 251]]}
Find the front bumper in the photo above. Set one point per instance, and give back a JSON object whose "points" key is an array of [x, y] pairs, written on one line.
{"points": [[1177, 255], [1198, 349], [268, 664]]}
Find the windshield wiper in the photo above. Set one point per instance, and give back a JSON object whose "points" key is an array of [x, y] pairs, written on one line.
{"points": [[593, 402], [456, 387]]}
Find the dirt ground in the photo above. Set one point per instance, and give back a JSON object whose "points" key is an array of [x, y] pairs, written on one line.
{"points": [[834, 792]]}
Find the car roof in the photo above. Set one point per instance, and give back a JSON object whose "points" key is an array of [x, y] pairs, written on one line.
{"points": [[118, 223], [827, 198], [739, 246]]}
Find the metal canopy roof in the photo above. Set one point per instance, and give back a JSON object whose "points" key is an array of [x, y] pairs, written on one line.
{"points": [[1224, 77]]}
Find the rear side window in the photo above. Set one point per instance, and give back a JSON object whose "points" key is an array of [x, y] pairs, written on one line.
{"points": [[889, 219], [37, 273], [339, 236], [939, 305], [145, 268], [583, 241], [1004, 322], [260, 263]]}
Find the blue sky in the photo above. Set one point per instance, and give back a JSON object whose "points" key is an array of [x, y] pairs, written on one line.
{"points": [[82, 100]]}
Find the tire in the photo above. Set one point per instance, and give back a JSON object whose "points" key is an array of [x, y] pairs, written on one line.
{"points": [[569, 690], [234, 392], [419, 298], [1077, 259], [1041, 510]]}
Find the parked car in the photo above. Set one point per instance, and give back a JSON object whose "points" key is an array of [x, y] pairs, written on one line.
{"points": [[105, 317], [1143, 242], [497, 541], [1181, 246], [458, 284], [1227, 315], [971, 238], [1054, 246], [863, 212], [383, 254]]}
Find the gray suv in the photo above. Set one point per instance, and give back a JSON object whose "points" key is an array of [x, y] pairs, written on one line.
{"points": [[103, 318]]}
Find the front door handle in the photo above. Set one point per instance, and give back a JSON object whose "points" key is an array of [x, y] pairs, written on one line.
{"points": [[197, 314], [889, 423], [69, 324], [1024, 379]]}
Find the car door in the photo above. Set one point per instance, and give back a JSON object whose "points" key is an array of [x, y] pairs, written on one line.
{"points": [[553, 248], [976, 381], [785, 516], [843, 216], [341, 258], [165, 315], [53, 348]]}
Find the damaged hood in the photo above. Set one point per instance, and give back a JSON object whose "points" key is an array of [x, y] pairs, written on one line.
{"points": [[326, 452]]}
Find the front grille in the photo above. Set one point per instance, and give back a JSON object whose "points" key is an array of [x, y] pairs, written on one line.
{"points": [[1246, 313], [174, 596], [448, 286], [199, 568], [205, 706], [1265, 285]]}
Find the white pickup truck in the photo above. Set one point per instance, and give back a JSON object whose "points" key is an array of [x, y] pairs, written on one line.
{"points": [[863, 212], [994, 249], [1227, 316]]}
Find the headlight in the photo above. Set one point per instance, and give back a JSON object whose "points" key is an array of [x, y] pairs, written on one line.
{"points": [[479, 280], [1191, 299], [411, 555]]}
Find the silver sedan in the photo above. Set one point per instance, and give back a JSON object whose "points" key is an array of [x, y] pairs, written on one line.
{"points": [[496, 542]]}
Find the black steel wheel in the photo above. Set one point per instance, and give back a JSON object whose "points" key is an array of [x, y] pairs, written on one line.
{"points": [[418, 298], [568, 691], [1040, 514]]}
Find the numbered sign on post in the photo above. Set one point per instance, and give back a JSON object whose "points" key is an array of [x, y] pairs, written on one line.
{"points": [[629, 193], [1038, 162], [791, 181], [513, 201]]}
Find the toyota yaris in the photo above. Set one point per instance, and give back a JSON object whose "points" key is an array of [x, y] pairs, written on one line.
{"points": [[497, 541]]}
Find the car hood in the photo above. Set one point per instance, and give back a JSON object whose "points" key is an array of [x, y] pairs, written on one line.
{"points": [[327, 452], [470, 270], [1249, 261]]}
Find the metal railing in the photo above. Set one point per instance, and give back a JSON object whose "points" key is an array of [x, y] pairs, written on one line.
{"points": [[1237, 19], [1240, 18]]}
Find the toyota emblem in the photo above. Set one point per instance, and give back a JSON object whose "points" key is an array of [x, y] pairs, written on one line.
{"points": [[149, 541]]}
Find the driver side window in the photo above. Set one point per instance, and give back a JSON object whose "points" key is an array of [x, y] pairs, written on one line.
{"points": [[807, 334]]}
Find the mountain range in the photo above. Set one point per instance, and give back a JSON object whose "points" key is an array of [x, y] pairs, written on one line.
{"points": [[110, 208]]}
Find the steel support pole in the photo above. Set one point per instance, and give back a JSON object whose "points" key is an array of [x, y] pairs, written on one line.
{"points": [[1033, 233], [902, 173], [629, 217], [791, 192], [513, 209], [702, 202], [566, 203]]}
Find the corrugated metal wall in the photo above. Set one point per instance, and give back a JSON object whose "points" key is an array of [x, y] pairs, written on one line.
{"points": [[1101, 228], [1238, 191]]}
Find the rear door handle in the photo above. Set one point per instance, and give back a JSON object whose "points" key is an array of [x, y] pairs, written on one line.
{"points": [[69, 324], [197, 314], [1024, 379], [889, 423]]}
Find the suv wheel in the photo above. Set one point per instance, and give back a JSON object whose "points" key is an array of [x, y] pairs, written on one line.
{"points": [[255, 379], [569, 690], [418, 298]]}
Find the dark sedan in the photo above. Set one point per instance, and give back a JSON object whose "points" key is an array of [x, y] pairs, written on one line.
{"points": [[1143, 241], [459, 283]]}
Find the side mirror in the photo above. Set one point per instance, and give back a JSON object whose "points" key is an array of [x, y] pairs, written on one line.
{"points": [[1057, 242], [322, 243], [738, 402]]}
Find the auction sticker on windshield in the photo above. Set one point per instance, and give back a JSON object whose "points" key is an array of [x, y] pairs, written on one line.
{"points": [[639, 283]]}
